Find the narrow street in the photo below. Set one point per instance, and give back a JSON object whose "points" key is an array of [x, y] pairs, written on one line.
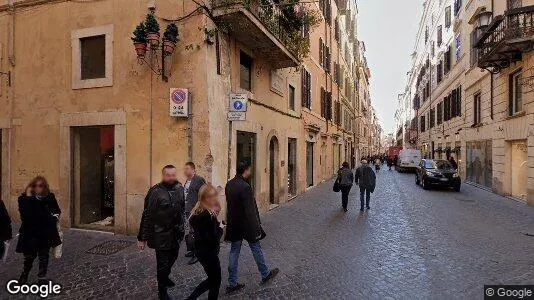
{"points": [[412, 244]]}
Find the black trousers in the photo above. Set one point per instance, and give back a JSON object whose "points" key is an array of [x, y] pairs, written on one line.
{"points": [[365, 195], [345, 190], [165, 259], [212, 267], [29, 258]]}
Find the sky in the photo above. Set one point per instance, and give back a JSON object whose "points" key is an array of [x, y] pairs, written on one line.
{"points": [[388, 28]]}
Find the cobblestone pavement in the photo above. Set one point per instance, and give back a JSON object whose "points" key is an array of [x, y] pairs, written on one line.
{"points": [[412, 244]]}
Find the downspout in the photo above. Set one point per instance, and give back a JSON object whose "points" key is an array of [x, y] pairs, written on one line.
{"points": [[492, 79], [11, 33]]}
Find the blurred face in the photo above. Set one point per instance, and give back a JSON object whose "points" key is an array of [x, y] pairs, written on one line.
{"points": [[211, 200], [39, 187], [169, 175], [188, 171], [247, 173]]}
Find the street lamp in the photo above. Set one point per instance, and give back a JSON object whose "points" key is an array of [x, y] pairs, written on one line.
{"points": [[484, 19]]}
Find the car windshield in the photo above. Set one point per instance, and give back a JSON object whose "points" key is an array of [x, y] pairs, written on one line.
{"points": [[438, 164]]}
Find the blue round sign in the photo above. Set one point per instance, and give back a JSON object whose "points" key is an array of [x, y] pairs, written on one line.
{"points": [[238, 105]]}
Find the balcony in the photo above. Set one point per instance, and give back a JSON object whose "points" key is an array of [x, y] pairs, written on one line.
{"points": [[260, 27], [506, 39]]}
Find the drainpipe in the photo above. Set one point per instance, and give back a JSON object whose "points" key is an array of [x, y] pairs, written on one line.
{"points": [[11, 33], [492, 79]]}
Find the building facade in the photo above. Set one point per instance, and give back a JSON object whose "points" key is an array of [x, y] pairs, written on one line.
{"points": [[469, 91], [82, 109]]}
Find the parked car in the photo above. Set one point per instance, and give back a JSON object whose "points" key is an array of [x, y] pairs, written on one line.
{"points": [[437, 172], [408, 160]]}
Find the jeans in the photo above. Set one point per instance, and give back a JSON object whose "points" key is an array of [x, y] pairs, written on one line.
{"points": [[165, 259], [29, 257], [233, 261], [212, 267], [364, 192], [345, 190]]}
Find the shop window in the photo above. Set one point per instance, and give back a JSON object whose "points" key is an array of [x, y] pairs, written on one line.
{"points": [[245, 71], [516, 93]]}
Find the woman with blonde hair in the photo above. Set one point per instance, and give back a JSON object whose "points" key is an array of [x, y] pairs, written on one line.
{"points": [[208, 231]]}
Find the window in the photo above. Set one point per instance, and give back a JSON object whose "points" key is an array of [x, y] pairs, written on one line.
{"points": [[321, 52], [514, 4], [432, 117], [426, 35], [439, 113], [433, 49], [456, 102], [447, 64], [92, 57], [440, 35], [447, 108], [448, 17], [245, 72], [516, 93], [477, 109], [422, 123], [291, 95], [306, 88], [439, 71], [323, 103], [458, 50], [474, 50]]}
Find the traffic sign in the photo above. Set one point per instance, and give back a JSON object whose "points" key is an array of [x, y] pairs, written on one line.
{"points": [[238, 102], [237, 116]]}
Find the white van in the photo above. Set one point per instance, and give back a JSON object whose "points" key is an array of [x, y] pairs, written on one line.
{"points": [[408, 160]]}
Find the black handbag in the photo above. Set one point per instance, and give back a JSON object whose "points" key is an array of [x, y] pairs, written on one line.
{"points": [[190, 242], [337, 187]]}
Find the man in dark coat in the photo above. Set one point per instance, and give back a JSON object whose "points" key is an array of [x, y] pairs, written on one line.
{"points": [[366, 178], [192, 186], [162, 225], [243, 223], [6, 232]]}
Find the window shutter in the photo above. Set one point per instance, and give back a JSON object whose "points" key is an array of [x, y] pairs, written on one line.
{"points": [[459, 101], [321, 58]]}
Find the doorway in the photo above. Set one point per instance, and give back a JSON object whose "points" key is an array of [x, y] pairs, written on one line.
{"points": [[519, 169], [246, 151], [292, 167], [309, 164], [273, 170], [94, 177]]}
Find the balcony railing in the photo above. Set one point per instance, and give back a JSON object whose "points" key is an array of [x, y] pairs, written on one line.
{"points": [[506, 38], [262, 26]]}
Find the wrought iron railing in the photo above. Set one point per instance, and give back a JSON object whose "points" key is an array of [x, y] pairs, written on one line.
{"points": [[277, 22], [515, 24]]}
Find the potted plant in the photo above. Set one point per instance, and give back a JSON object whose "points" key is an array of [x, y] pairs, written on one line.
{"points": [[152, 30], [140, 39], [170, 38]]}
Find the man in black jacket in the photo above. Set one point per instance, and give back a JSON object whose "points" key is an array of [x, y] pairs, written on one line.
{"points": [[6, 232], [162, 225], [243, 223], [366, 178], [192, 186]]}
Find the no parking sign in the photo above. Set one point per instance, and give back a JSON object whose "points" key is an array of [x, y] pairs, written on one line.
{"points": [[179, 102]]}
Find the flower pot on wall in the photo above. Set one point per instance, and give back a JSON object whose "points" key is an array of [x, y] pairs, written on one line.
{"points": [[153, 39], [140, 49], [168, 47]]}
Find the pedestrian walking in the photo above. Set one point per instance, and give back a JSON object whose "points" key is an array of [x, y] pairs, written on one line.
{"points": [[244, 224], [365, 177], [6, 232], [390, 162], [208, 231], [345, 178], [453, 162], [162, 225], [39, 214], [192, 186], [377, 164]]}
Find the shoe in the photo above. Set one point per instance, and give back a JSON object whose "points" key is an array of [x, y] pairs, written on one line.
{"points": [[368, 207], [235, 288], [361, 209], [42, 281], [163, 294], [193, 260], [190, 254], [23, 279], [272, 274], [345, 209], [169, 283]]}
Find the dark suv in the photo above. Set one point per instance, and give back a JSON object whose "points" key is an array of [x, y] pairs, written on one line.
{"points": [[437, 172]]}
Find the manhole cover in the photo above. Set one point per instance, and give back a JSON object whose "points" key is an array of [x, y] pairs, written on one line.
{"points": [[109, 247]]}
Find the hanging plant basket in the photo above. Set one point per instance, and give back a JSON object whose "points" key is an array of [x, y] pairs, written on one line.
{"points": [[140, 49], [168, 47], [153, 39]]}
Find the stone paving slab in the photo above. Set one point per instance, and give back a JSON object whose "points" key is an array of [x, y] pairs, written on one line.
{"points": [[412, 244]]}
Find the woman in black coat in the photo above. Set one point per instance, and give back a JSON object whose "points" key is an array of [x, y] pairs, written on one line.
{"points": [[39, 214], [5, 227], [208, 232]]}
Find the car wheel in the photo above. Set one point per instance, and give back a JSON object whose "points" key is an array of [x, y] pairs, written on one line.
{"points": [[417, 181], [425, 185]]}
